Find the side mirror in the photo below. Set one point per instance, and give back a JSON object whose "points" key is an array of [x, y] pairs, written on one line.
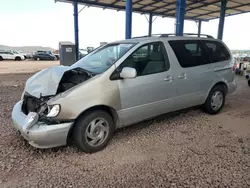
{"points": [[128, 73]]}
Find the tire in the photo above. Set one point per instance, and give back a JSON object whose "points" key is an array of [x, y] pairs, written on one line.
{"points": [[1, 59], [18, 59], [208, 106], [249, 83], [83, 136], [38, 59]]}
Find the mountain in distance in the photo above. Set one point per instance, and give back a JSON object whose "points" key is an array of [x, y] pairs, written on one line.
{"points": [[26, 49]]}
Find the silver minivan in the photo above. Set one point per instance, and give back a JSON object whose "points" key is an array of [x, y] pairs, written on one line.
{"points": [[120, 84]]}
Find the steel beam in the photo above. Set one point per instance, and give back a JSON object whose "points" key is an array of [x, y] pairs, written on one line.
{"points": [[199, 28], [76, 29], [150, 22], [222, 18], [129, 5], [180, 14]]}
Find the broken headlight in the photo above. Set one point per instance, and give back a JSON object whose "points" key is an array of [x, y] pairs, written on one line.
{"points": [[53, 111]]}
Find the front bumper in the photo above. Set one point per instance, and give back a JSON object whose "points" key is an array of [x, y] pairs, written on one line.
{"points": [[40, 135], [231, 87]]}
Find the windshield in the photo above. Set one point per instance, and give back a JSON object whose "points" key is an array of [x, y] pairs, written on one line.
{"points": [[100, 60]]}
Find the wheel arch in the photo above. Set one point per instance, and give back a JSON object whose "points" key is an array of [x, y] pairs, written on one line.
{"points": [[220, 83], [111, 111]]}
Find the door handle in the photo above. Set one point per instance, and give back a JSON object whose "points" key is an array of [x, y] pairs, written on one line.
{"points": [[169, 78], [183, 76]]}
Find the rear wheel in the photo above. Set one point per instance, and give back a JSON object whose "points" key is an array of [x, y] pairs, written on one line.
{"points": [[18, 59], [1, 58], [215, 100], [93, 131], [249, 83], [38, 59]]}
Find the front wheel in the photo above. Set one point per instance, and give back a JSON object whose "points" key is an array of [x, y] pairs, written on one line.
{"points": [[18, 59], [38, 59], [249, 83], [215, 100], [93, 131], [1, 59]]}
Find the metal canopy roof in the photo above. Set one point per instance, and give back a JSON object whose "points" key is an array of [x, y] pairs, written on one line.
{"points": [[195, 9]]}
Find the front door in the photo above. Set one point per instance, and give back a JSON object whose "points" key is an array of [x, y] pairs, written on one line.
{"points": [[8, 55], [151, 92], [194, 75]]}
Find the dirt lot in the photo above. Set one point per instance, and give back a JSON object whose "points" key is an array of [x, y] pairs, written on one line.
{"points": [[188, 149], [24, 66]]}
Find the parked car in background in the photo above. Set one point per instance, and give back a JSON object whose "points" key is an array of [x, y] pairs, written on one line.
{"points": [[49, 52], [57, 56], [5, 55], [120, 84], [43, 56], [42, 51], [29, 55], [82, 53], [17, 52]]}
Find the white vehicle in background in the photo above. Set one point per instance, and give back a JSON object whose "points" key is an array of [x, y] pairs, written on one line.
{"points": [[18, 52], [5, 55]]}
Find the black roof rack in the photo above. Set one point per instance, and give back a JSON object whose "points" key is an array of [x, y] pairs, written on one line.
{"points": [[186, 34], [173, 34]]}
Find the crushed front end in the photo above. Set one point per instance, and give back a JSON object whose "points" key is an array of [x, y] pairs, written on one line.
{"points": [[35, 118], [39, 133]]}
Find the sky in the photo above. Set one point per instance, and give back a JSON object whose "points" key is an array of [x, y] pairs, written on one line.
{"points": [[46, 23]]}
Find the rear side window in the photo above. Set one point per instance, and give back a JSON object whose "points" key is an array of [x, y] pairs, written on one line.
{"points": [[190, 53], [217, 51]]}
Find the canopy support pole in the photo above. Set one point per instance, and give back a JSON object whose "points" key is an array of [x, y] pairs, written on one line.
{"points": [[150, 22], [180, 16], [76, 29], [222, 18], [129, 5]]}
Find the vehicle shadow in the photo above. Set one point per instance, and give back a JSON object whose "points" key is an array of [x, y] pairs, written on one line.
{"points": [[119, 134]]}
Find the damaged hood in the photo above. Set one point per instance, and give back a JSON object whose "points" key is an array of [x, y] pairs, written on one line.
{"points": [[45, 82]]}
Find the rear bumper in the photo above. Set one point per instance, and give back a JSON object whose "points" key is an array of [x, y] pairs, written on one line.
{"points": [[40, 135], [231, 87]]}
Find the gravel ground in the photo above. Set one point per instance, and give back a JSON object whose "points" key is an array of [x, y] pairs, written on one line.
{"points": [[187, 149], [25, 66]]}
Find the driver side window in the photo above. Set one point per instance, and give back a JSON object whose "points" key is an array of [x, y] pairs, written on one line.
{"points": [[148, 59]]}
